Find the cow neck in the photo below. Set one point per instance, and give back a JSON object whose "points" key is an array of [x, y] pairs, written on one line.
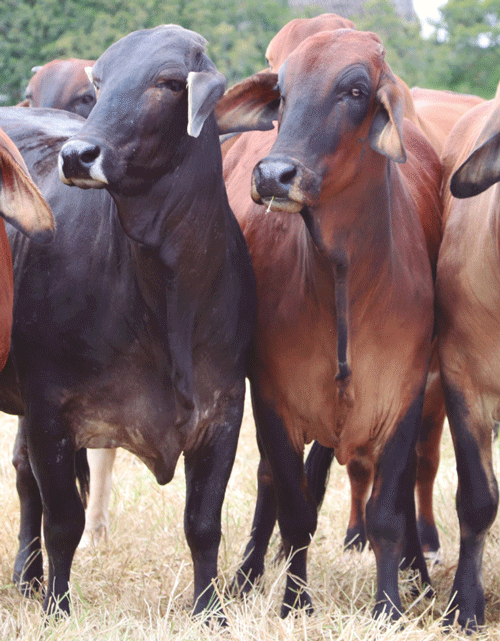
{"points": [[353, 235], [178, 231]]}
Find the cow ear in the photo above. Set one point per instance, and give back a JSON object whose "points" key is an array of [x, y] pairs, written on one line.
{"points": [[21, 203], [204, 90], [481, 169], [386, 131], [250, 105]]}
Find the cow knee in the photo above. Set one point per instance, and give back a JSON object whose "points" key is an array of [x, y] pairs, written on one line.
{"points": [[201, 533], [299, 525], [478, 510], [383, 525]]}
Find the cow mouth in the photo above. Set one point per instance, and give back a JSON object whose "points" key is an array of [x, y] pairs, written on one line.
{"points": [[277, 204], [284, 184], [82, 183]]}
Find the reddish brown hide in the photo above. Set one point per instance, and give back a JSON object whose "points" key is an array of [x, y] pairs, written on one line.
{"points": [[23, 206], [345, 288], [468, 300], [438, 111], [62, 84]]}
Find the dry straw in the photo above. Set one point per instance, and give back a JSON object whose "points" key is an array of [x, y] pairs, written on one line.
{"points": [[137, 585]]}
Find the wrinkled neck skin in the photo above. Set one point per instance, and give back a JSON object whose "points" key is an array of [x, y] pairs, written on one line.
{"points": [[352, 229], [176, 217], [179, 229]]}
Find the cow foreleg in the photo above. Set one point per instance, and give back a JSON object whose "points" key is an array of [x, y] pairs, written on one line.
{"points": [[52, 456], [390, 512], [207, 472], [262, 528], [297, 511], [477, 504], [28, 567]]}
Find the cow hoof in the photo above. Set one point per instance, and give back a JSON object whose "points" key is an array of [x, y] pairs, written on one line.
{"points": [[433, 557], [355, 540], [386, 610], [28, 575], [93, 536], [244, 582], [454, 620], [429, 538], [296, 601]]}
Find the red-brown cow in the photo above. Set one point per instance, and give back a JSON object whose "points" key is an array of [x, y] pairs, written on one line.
{"points": [[438, 111], [468, 299], [320, 458], [62, 84], [345, 289], [22, 205]]}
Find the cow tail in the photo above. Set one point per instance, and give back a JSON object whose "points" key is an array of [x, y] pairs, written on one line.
{"points": [[82, 471], [343, 376]]}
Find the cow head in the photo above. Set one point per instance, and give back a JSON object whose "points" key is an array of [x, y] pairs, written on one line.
{"points": [[62, 84], [155, 90], [292, 34], [339, 107], [481, 169], [21, 203]]}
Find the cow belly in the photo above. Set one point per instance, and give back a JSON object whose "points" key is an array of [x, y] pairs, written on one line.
{"points": [[358, 418], [144, 424]]}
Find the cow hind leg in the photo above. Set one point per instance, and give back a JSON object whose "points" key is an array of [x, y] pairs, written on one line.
{"points": [[477, 504], [263, 523], [97, 516], [428, 461], [297, 511], [361, 479], [390, 513], [207, 471], [52, 456], [28, 567]]}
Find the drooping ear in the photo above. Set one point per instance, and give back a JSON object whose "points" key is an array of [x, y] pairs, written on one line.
{"points": [[21, 202], [88, 73], [386, 131], [250, 105], [204, 90], [482, 167]]}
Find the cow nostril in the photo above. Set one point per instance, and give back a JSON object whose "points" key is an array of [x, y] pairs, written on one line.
{"points": [[88, 156], [288, 175]]}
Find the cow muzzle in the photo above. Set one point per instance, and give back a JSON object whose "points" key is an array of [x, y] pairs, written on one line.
{"points": [[80, 164], [284, 184]]}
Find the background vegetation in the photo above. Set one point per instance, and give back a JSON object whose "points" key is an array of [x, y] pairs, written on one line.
{"points": [[461, 54]]}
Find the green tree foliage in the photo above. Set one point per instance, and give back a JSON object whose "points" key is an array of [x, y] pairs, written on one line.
{"points": [[33, 32], [460, 54], [466, 44], [404, 44]]}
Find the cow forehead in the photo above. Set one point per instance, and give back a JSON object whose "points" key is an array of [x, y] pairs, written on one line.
{"points": [[326, 54], [151, 48], [297, 30]]}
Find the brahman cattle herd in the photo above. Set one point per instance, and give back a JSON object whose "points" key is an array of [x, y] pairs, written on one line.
{"points": [[339, 249]]}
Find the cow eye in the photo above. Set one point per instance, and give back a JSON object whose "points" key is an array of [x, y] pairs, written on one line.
{"points": [[173, 85], [86, 99], [356, 92]]}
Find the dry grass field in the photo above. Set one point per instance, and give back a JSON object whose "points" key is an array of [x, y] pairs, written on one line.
{"points": [[138, 584]]}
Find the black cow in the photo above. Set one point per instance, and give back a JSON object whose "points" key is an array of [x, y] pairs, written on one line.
{"points": [[132, 328]]}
